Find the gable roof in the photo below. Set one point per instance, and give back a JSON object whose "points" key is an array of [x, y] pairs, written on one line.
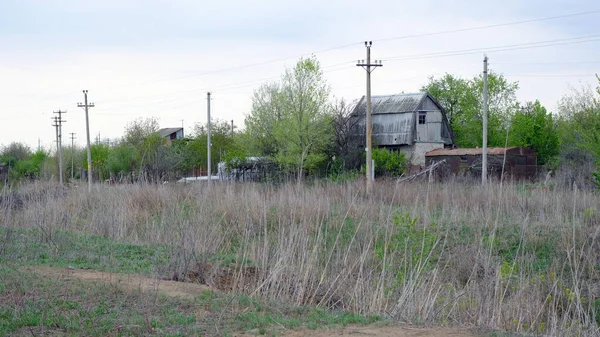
{"points": [[167, 131], [398, 103]]}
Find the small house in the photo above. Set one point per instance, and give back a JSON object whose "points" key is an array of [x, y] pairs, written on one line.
{"points": [[517, 162], [413, 123], [171, 133]]}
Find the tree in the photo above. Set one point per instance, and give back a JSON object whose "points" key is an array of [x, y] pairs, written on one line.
{"points": [[462, 100], [348, 153], [153, 156], [534, 127], [15, 151], [140, 129], [194, 150], [100, 153], [267, 112], [579, 133], [292, 119], [122, 160]]}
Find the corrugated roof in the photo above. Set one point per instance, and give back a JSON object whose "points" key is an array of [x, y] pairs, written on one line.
{"points": [[467, 152], [167, 131], [386, 104]]}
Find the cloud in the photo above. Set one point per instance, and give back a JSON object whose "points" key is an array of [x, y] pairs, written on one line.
{"points": [[158, 58]]}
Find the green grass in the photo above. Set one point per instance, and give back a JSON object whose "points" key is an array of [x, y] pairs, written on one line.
{"points": [[62, 249], [30, 304]]}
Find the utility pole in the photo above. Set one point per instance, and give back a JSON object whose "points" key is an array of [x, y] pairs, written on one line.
{"points": [[58, 123], [369, 127], [55, 125], [232, 127], [86, 106], [208, 144], [182, 134], [39, 144], [485, 122], [72, 154]]}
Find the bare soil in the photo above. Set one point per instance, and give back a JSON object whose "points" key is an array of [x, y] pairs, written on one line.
{"points": [[379, 331], [127, 282], [387, 331], [131, 282]]}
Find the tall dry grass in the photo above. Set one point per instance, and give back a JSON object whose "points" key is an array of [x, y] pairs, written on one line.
{"points": [[503, 257]]}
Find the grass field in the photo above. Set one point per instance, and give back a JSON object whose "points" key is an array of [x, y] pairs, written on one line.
{"points": [[510, 258]]}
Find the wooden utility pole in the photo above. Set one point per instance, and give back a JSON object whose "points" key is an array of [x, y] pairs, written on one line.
{"points": [[55, 125], [232, 127], [208, 140], [484, 163], [86, 106], [58, 122], [72, 154], [369, 127]]}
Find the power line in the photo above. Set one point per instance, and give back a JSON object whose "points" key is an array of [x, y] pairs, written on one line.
{"points": [[488, 26], [518, 46], [349, 45], [549, 63], [379, 40]]}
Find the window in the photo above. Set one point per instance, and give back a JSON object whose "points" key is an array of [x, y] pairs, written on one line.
{"points": [[463, 159], [422, 117], [521, 160]]}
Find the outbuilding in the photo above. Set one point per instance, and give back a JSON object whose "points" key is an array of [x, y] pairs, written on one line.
{"points": [[516, 162]]}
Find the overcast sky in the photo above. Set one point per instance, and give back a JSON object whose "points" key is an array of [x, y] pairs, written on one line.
{"points": [[144, 58]]}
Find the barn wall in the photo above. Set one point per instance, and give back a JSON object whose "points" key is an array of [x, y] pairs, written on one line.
{"points": [[388, 129], [431, 131]]}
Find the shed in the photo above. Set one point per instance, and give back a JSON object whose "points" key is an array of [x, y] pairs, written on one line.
{"points": [[171, 133], [413, 123], [518, 162]]}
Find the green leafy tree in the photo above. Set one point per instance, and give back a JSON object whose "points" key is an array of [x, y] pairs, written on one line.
{"points": [[222, 141], [100, 153], [534, 127], [292, 120], [267, 113], [462, 100], [122, 160]]}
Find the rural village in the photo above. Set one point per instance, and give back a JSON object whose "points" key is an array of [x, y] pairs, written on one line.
{"points": [[453, 203]]}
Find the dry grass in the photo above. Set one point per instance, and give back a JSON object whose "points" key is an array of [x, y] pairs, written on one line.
{"points": [[503, 257]]}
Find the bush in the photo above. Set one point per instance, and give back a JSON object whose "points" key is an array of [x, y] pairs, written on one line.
{"points": [[389, 163]]}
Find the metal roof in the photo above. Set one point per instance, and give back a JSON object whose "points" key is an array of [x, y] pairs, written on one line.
{"points": [[167, 131], [468, 152], [386, 104]]}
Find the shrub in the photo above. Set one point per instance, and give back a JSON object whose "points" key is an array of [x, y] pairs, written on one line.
{"points": [[389, 163]]}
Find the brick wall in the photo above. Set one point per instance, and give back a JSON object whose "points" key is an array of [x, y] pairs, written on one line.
{"points": [[419, 150]]}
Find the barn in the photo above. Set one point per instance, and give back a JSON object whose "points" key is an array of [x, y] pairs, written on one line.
{"points": [[517, 162], [413, 123]]}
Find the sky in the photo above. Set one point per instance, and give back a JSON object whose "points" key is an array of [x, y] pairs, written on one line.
{"points": [[159, 58]]}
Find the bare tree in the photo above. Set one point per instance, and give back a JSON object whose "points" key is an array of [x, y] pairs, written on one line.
{"points": [[346, 148]]}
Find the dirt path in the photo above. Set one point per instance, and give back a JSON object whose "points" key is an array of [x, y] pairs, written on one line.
{"points": [[387, 331], [131, 282], [124, 281], [380, 331]]}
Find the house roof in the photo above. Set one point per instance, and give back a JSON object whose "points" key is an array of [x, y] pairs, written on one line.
{"points": [[397, 103], [167, 131], [468, 152]]}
